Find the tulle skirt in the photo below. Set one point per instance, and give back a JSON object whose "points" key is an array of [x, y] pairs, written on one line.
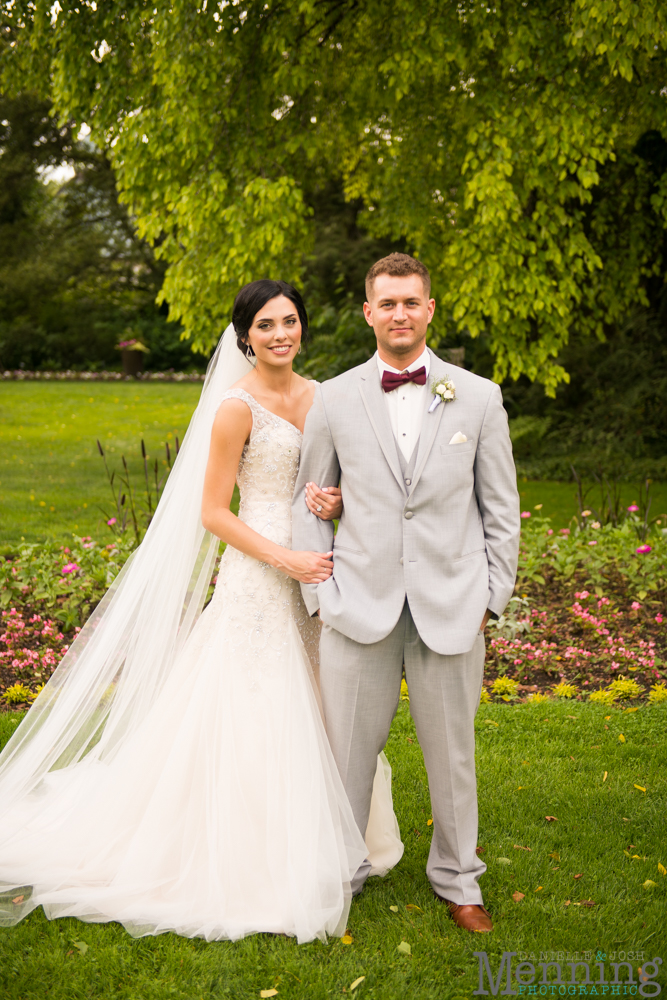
{"points": [[222, 816]]}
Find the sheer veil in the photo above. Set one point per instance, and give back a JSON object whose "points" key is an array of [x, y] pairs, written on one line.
{"points": [[113, 672]]}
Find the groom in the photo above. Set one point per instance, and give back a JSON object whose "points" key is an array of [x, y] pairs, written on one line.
{"points": [[426, 550]]}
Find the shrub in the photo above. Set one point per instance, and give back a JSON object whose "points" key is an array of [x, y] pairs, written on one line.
{"points": [[658, 693], [603, 696], [17, 694], [620, 689], [67, 581], [485, 697], [536, 697], [565, 690], [505, 687], [625, 687]]}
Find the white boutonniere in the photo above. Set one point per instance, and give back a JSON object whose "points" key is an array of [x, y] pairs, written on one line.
{"points": [[444, 391]]}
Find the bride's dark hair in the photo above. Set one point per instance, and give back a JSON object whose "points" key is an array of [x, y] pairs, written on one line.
{"points": [[254, 297]]}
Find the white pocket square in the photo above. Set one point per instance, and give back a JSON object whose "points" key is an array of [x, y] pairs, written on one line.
{"points": [[459, 438]]}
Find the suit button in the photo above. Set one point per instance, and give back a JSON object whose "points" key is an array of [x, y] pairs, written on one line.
{"points": [[401, 560], [407, 482], [408, 515]]}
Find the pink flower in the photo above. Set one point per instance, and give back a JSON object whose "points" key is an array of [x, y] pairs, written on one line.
{"points": [[635, 605], [517, 663], [643, 550], [111, 521], [564, 531], [659, 618], [592, 543], [525, 513], [550, 531], [69, 568], [582, 595], [633, 508]]}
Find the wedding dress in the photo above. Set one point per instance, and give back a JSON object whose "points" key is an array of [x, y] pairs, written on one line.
{"points": [[221, 814]]}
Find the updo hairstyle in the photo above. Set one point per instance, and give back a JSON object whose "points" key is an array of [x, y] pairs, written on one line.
{"points": [[253, 297]]}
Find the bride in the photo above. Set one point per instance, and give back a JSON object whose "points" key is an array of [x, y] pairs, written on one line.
{"points": [[174, 774]]}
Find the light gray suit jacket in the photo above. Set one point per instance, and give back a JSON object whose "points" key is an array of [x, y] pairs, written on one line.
{"points": [[448, 541]]}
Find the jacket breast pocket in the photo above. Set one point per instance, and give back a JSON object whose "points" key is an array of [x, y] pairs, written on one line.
{"points": [[451, 450]]}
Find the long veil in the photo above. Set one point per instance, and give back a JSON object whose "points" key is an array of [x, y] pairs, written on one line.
{"points": [[110, 677]]}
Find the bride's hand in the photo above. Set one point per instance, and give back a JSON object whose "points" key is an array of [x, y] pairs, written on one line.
{"points": [[308, 567], [325, 503]]}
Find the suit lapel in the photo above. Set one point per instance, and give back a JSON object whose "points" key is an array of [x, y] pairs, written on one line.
{"points": [[376, 408], [430, 421]]}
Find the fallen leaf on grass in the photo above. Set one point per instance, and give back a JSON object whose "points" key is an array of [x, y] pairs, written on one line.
{"points": [[409, 740], [571, 757], [268, 993], [587, 902], [567, 902], [480, 850], [356, 983], [575, 717], [429, 822], [539, 888], [518, 847], [605, 775], [81, 946], [394, 909], [640, 788], [346, 939], [662, 869], [517, 896], [551, 819], [413, 908], [18, 899], [404, 948], [621, 738], [580, 875], [555, 855], [648, 884], [490, 722], [503, 861]]}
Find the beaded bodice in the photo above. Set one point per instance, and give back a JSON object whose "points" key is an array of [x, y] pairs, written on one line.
{"points": [[258, 601]]}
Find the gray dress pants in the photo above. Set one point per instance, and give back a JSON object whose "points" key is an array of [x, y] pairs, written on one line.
{"points": [[360, 693]]}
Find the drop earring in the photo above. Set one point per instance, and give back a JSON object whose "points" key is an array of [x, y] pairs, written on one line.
{"points": [[299, 351], [249, 353]]}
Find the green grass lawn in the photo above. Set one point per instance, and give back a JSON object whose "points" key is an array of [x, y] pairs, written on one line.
{"points": [[533, 761], [52, 480]]}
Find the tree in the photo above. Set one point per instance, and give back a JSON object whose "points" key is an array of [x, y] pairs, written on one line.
{"points": [[73, 275], [489, 138]]}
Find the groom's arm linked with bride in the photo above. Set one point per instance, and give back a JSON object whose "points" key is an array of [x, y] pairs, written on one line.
{"points": [[426, 549]]}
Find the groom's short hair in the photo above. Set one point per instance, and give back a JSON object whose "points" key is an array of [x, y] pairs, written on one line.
{"points": [[399, 265]]}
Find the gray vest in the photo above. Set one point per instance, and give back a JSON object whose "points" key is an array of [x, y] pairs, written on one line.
{"points": [[408, 468]]}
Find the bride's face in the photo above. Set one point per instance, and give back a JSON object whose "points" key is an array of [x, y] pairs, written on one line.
{"points": [[275, 333]]}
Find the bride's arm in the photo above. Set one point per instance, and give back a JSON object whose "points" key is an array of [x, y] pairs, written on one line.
{"points": [[231, 429]]}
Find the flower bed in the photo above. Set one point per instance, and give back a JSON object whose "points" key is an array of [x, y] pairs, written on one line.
{"points": [[591, 617], [587, 619]]}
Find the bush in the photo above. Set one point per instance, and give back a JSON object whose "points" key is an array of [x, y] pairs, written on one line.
{"points": [[18, 694], [658, 693], [67, 581], [565, 690]]}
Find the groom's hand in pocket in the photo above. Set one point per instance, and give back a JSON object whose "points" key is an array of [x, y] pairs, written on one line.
{"points": [[325, 503]]}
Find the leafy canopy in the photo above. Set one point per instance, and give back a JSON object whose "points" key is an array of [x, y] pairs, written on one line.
{"points": [[490, 138]]}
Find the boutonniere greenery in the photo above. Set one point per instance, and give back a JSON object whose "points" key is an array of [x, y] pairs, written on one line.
{"points": [[444, 391]]}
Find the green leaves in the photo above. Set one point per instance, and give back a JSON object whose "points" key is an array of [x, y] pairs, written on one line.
{"points": [[496, 143]]}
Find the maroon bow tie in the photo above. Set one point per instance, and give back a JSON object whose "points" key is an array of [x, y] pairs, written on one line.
{"points": [[392, 380]]}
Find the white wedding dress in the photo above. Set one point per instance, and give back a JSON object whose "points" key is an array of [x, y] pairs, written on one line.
{"points": [[223, 814]]}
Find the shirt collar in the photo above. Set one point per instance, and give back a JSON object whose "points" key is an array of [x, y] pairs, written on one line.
{"points": [[423, 361]]}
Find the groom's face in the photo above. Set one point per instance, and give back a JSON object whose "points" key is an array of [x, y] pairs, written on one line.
{"points": [[399, 311]]}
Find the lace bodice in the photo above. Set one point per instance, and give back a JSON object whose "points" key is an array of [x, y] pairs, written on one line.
{"points": [[268, 469], [259, 600]]}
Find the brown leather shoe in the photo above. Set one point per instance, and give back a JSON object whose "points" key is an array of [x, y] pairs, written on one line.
{"points": [[471, 917]]}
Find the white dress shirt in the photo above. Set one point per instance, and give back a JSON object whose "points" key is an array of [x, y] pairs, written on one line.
{"points": [[405, 405]]}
